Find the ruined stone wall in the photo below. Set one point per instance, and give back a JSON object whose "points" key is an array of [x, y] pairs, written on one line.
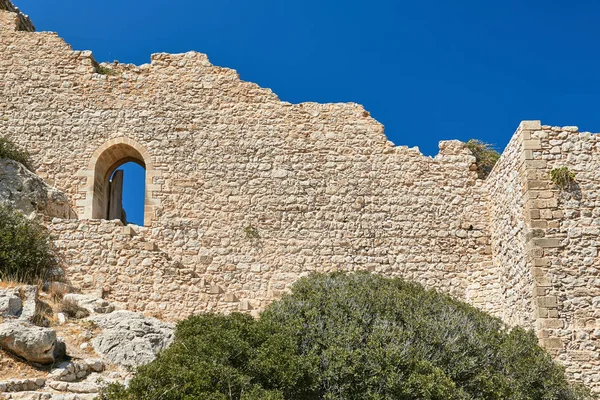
{"points": [[245, 194], [245, 191], [545, 242], [506, 288], [566, 237]]}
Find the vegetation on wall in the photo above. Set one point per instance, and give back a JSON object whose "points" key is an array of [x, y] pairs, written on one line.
{"points": [[11, 151], [485, 156], [352, 336], [25, 253], [562, 177], [102, 70]]}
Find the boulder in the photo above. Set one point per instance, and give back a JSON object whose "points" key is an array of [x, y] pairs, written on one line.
{"points": [[130, 339], [10, 303], [28, 193], [33, 343], [90, 303]]}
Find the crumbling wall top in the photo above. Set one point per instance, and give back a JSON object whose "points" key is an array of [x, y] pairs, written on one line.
{"points": [[12, 18]]}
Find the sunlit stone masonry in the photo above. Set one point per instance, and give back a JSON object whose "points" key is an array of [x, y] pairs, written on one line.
{"points": [[245, 194]]}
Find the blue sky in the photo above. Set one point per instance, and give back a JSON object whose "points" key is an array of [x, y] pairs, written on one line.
{"points": [[428, 70]]}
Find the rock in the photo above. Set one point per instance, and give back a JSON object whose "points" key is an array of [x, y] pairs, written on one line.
{"points": [[30, 295], [90, 303], [10, 303], [25, 191], [61, 318], [130, 339], [33, 343]]}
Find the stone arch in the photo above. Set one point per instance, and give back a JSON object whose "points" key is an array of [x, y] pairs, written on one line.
{"points": [[104, 161]]}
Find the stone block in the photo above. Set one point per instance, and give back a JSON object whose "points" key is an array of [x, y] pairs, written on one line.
{"points": [[215, 289], [230, 298], [550, 323], [532, 144], [552, 343], [531, 125], [547, 242], [547, 302]]}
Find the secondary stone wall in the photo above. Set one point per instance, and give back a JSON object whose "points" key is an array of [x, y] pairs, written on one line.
{"points": [[545, 243], [565, 238], [506, 289]]}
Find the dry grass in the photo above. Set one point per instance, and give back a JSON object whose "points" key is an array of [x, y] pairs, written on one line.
{"points": [[15, 367], [72, 310], [9, 284], [56, 293]]}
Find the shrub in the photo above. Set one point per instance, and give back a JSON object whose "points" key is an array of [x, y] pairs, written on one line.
{"points": [[485, 156], [25, 253], [102, 70], [352, 336], [562, 177], [9, 150], [72, 310], [251, 232]]}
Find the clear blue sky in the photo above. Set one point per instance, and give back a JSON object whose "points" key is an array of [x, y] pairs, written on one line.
{"points": [[428, 70]]}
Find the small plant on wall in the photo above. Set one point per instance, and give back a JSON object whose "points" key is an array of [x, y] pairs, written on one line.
{"points": [[562, 177], [251, 232], [485, 156]]}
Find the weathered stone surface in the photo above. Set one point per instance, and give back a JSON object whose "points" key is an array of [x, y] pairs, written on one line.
{"points": [[130, 339], [30, 302], [10, 303], [71, 371], [90, 303], [33, 343], [26, 192]]}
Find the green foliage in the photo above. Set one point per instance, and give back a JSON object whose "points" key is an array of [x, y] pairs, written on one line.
{"points": [[485, 156], [251, 232], [562, 177], [9, 150], [25, 254], [102, 70], [352, 336]]}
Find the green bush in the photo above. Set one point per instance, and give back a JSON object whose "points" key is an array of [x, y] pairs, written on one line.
{"points": [[485, 156], [9, 150], [562, 177], [25, 253], [352, 336]]}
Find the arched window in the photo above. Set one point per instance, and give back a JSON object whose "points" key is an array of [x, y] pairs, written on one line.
{"points": [[126, 193], [105, 174]]}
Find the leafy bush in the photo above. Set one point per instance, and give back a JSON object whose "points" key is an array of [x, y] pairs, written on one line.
{"points": [[562, 177], [9, 150], [485, 156], [25, 253], [352, 336]]}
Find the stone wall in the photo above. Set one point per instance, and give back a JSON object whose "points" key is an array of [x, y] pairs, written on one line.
{"points": [[505, 289], [545, 243], [242, 188], [246, 193], [566, 237]]}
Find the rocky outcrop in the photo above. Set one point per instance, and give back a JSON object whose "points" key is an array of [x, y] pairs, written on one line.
{"points": [[10, 303], [23, 190], [33, 343], [130, 339]]}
